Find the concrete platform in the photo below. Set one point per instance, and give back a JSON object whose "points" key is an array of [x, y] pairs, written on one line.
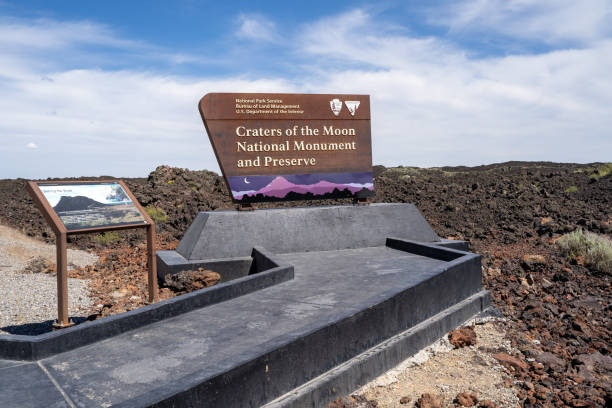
{"points": [[346, 316]]}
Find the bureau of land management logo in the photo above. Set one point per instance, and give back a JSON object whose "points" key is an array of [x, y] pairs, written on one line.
{"points": [[336, 106], [352, 106]]}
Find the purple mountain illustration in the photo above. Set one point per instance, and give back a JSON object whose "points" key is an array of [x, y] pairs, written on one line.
{"points": [[280, 187]]}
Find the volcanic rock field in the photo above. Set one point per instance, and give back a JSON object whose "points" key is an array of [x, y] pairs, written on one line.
{"points": [[558, 308]]}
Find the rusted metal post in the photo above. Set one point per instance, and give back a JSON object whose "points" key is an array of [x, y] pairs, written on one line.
{"points": [[63, 319], [151, 264]]}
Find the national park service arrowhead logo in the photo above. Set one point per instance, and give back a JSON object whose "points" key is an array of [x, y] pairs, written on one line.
{"points": [[352, 106], [336, 106]]}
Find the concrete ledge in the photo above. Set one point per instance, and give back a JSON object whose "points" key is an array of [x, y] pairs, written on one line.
{"points": [[454, 244], [170, 262], [349, 376], [18, 347], [424, 249]]}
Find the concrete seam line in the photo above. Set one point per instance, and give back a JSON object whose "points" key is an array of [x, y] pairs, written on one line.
{"points": [[59, 388], [17, 364]]}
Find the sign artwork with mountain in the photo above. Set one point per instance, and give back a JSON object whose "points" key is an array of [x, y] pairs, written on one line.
{"points": [[276, 147], [91, 205]]}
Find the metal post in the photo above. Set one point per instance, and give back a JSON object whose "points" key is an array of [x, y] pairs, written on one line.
{"points": [[62, 282], [151, 264]]}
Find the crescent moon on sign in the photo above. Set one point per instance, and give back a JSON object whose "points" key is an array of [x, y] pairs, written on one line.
{"points": [[246, 181]]}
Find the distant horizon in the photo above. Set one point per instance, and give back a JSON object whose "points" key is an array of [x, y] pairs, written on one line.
{"points": [[218, 172]]}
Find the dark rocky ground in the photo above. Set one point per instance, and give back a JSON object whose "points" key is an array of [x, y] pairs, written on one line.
{"points": [[559, 312]]}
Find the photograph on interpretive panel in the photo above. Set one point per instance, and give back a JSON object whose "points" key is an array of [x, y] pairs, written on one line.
{"points": [[91, 205], [301, 186]]}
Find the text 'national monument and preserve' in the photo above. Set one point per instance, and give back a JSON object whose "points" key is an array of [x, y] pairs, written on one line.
{"points": [[291, 146]]}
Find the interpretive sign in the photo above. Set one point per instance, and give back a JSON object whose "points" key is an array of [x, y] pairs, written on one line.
{"points": [[76, 207], [275, 147], [91, 205]]}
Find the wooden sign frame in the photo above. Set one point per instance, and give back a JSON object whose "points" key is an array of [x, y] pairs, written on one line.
{"points": [[61, 235]]}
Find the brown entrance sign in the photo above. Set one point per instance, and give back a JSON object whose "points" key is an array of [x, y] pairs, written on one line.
{"points": [[274, 147], [77, 207]]}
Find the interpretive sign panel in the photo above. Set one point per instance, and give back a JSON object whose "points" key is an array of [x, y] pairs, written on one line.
{"points": [[76, 207], [275, 147], [91, 205]]}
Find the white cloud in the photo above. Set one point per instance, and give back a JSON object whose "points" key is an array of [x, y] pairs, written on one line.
{"points": [[95, 121], [32, 145], [256, 27], [546, 21], [432, 104], [356, 37], [116, 123], [50, 34], [33, 46]]}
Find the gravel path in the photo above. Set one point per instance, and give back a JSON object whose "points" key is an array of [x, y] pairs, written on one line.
{"points": [[444, 371], [28, 302]]}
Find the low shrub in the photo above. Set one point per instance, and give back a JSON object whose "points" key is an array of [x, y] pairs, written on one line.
{"points": [[571, 189], [596, 250], [157, 214], [106, 238], [601, 171]]}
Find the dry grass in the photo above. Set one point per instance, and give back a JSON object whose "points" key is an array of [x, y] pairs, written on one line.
{"points": [[595, 249], [157, 214]]}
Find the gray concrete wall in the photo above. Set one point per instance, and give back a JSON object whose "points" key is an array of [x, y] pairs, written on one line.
{"points": [[225, 234]]}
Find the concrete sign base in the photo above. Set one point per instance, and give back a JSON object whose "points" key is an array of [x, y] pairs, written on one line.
{"points": [[362, 289]]}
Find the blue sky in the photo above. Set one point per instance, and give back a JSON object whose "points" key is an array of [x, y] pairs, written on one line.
{"points": [[111, 88]]}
